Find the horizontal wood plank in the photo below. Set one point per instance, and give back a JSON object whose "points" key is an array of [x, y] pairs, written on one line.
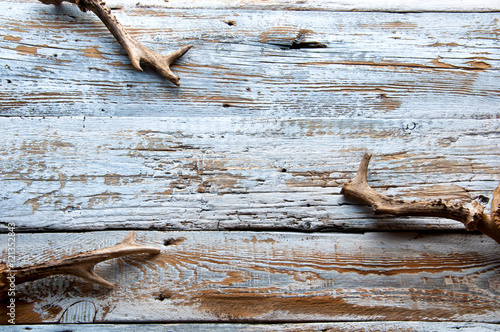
{"points": [[234, 173], [268, 277], [60, 61], [395, 6], [308, 327]]}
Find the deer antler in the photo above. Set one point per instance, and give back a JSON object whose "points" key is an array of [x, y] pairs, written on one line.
{"points": [[79, 265], [135, 50], [470, 213]]}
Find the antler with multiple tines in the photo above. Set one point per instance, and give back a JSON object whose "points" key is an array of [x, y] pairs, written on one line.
{"points": [[79, 265], [470, 213], [135, 50]]}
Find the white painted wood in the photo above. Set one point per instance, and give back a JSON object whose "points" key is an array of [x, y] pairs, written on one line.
{"points": [[398, 6], [234, 173], [377, 65], [79, 312], [266, 277], [339, 327]]}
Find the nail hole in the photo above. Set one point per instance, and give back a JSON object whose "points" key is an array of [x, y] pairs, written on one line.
{"points": [[163, 295]]}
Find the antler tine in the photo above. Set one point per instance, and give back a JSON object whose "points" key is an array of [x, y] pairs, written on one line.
{"points": [[79, 265], [471, 214], [359, 188], [136, 51]]}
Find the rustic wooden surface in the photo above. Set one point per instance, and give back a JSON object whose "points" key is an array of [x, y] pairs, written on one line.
{"points": [[244, 162], [376, 65], [304, 327], [270, 277]]}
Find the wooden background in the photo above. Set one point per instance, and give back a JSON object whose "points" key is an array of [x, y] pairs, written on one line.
{"points": [[242, 165]]}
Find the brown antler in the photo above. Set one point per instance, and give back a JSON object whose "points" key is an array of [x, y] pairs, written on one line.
{"points": [[470, 213], [135, 50], [79, 265]]}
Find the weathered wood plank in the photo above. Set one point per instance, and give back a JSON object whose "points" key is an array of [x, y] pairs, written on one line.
{"points": [[393, 6], [397, 6], [60, 61], [308, 327], [234, 173], [266, 277]]}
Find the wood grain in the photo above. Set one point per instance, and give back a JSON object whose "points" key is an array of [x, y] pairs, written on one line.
{"points": [[393, 6], [234, 173], [265, 277], [297, 327], [279, 101], [60, 62]]}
